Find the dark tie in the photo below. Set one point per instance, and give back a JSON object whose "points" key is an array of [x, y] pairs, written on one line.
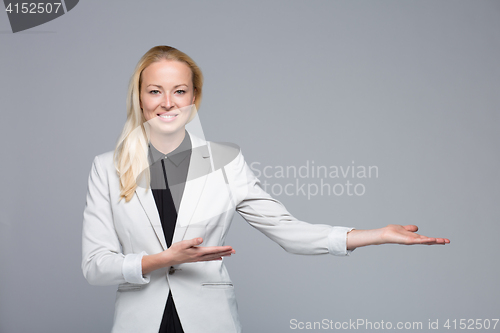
{"points": [[168, 216], [168, 213]]}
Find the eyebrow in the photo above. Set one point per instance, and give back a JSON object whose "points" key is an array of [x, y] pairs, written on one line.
{"points": [[159, 86]]}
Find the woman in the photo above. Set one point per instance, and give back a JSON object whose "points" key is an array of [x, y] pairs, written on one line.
{"points": [[159, 208]]}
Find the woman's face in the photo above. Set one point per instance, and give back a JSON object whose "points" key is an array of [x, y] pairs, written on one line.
{"points": [[166, 94]]}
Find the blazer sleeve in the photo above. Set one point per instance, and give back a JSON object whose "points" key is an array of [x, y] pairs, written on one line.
{"points": [[103, 262], [270, 216]]}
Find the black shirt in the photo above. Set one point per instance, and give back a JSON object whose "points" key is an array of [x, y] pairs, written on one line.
{"points": [[168, 178]]}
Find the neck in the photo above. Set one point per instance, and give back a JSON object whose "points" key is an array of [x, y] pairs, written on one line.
{"points": [[166, 143]]}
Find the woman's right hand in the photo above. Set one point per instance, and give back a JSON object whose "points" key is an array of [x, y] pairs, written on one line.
{"points": [[182, 252]]}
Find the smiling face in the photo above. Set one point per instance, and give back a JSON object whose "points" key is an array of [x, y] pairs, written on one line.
{"points": [[166, 94]]}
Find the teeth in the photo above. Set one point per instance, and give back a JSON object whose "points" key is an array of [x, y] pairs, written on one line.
{"points": [[168, 116]]}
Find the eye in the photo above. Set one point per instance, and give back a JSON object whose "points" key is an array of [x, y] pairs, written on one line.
{"points": [[180, 91], [154, 92]]}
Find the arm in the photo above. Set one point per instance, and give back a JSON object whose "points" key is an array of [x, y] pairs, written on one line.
{"points": [[102, 258], [391, 234], [270, 217]]}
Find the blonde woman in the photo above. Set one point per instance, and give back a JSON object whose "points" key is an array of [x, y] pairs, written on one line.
{"points": [[159, 207]]}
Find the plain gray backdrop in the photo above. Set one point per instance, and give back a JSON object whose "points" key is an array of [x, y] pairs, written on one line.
{"points": [[412, 87]]}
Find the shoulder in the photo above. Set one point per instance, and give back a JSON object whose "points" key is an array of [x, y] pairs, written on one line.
{"points": [[224, 153], [104, 162], [105, 158]]}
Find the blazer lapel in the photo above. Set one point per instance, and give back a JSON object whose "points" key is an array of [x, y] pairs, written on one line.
{"points": [[149, 205], [199, 169]]}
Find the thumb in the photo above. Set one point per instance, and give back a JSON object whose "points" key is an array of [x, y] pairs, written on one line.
{"points": [[411, 227], [195, 241]]}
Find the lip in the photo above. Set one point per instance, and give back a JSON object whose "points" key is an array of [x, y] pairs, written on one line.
{"points": [[168, 116]]}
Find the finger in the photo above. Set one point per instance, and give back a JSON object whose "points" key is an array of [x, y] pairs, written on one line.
{"points": [[442, 240], [215, 249], [422, 240], [438, 241], [218, 254], [226, 254], [433, 243], [230, 252], [210, 258]]}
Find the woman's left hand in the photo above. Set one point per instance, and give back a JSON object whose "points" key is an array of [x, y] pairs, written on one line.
{"points": [[398, 234], [391, 234]]}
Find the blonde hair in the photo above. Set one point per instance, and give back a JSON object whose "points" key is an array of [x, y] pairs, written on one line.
{"points": [[131, 152]]}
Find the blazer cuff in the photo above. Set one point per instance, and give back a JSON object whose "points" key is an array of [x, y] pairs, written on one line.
{"points": [[132, 268], [337, 241]]}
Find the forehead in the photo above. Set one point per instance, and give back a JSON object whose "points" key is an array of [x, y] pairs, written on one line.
{"points": [[167, 72]]}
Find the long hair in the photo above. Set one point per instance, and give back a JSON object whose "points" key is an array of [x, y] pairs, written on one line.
{"points": [[131, 152]]}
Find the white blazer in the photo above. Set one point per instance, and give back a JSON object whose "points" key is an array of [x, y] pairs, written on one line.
{"points": [[117, 233]]}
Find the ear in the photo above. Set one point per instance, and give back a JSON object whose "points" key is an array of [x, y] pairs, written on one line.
{"points": [[194, 96]]}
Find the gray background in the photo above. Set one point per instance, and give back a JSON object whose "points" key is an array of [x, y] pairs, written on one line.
{"points": [[409, 86]]}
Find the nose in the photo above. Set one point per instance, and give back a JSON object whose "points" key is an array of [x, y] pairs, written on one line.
{"points": [[168, 103]]}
